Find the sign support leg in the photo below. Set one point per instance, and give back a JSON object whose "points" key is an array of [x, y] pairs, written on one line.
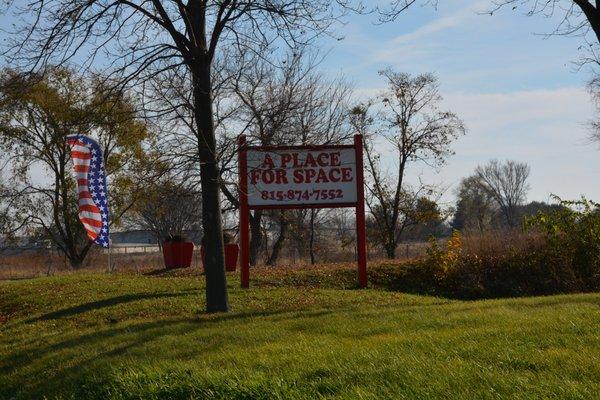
{"points": [[361, 236], [244, 215]]}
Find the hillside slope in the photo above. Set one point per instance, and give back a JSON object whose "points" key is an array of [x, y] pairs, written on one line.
{"points": [[125, 337]]}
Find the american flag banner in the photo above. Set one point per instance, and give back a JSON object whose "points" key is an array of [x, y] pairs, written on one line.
{"points": [[88, 164]]}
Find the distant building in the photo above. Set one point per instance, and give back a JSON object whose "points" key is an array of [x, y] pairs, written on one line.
{"points": [[133, 237], [124, 239], [146, 237], [20, 244]]}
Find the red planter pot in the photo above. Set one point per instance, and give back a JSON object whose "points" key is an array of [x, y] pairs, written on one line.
{"points": [[178, 254], [231, 256]]}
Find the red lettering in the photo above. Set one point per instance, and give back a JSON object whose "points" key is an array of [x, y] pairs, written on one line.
{"points": [[268, 162], [322, 176], [322, 159], [332, 173], [285, 158], [310, 173], [346, 174], [335, 159], [298, 176], [310, 161], [280, 176], [268, 176]]}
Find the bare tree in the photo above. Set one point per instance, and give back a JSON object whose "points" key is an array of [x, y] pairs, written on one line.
{"points": [[283, 104], [273, 102], [167, 207], [574, 16], [312, 222], [410, 120], [169, 107], [302, 229], [507, 184], [390, 11], [594, 125], [143, 39]]}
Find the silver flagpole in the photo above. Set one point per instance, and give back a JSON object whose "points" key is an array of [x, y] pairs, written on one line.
{"points": [[109, 250]]}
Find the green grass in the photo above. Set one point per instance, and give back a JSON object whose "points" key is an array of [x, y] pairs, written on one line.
{"points": [[125, 337]]}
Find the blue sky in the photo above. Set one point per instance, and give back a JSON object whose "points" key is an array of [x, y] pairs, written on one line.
{"points": [[519, 93]]}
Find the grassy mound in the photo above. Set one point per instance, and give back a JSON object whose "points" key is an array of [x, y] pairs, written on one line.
{"points": [[85, 336]]}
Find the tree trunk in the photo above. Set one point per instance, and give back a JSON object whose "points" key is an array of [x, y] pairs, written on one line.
{"points": [[214, 267], [311, 242], [283, 225], [509, 216], [255, 236], [390, 248], [76, 256], [592, 14], [75, 262]]}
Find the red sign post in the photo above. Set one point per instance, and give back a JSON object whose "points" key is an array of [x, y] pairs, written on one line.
{"points": [[289, 177]]}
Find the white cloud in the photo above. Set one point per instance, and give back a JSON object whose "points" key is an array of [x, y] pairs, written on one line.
{"points": [[412, 42], [545, 128], [499, 111]]}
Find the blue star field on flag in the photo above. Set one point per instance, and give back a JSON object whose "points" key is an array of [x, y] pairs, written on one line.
{"points": [[90, 173]]}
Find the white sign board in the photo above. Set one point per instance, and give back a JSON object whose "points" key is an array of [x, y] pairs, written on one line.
{"points": [[292, 177]]}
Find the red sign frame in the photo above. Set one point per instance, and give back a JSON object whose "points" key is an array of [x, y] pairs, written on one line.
{"points": [[245, 208]]}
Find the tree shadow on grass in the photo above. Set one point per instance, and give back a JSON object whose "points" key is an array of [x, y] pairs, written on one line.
{"points": [[58, 368], [96, 305], [174, 272]]}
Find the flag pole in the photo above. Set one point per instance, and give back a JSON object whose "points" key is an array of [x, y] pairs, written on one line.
{"points": [[109, 250]]}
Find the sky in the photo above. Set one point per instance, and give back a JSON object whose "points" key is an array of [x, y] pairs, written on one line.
{"points": [[519, 92]]}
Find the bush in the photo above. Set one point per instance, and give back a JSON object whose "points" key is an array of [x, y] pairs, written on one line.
{"points": [[557, 252], [227, 238], [175, 238], [573, 237]]}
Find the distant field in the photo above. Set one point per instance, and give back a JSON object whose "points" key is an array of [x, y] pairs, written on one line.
{"points": [[99, 336], [31, 264]]}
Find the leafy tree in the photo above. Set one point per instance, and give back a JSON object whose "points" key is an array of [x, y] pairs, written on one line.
{"points": [[37, 113], [537, 207], [475, 207], [5, 220], [418, 210], [430, 221], [573, 233]]}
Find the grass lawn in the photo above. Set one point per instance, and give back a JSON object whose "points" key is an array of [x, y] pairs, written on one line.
{"points": [[99, 336]]}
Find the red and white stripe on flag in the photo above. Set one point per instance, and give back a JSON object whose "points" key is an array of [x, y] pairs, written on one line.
{"points": [[89, 213]]}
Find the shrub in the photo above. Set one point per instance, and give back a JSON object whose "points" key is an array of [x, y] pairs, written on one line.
{"points": [[175, 238], [445, 261], [227, 238], [558, 252], [573, 239]]}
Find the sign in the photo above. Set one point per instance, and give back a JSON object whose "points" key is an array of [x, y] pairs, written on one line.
{"points": [[302, 176], [287, 177]]}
